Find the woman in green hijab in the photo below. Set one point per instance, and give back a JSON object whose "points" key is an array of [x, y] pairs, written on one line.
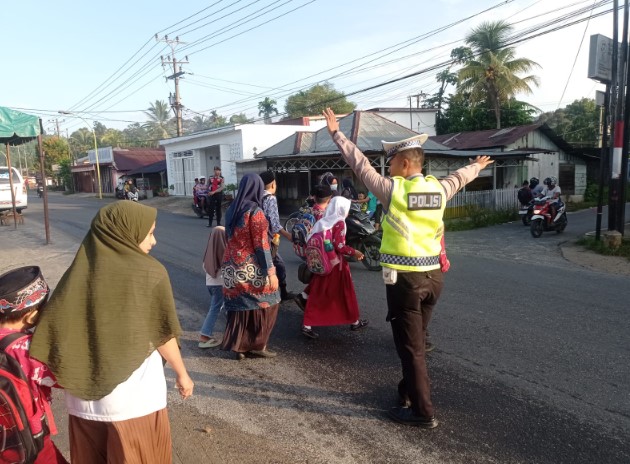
{"points": [[107, 329]]}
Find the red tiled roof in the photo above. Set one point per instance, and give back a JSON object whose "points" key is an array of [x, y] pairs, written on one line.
{"points": [[136, 158]]}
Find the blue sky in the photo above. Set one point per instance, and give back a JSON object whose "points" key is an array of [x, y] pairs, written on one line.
{"points": [[60, 52]]}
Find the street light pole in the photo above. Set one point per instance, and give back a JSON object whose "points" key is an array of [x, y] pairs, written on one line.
{"points": [[98, 166]]}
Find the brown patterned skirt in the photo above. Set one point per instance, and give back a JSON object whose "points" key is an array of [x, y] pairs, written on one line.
{"points": [[249, 330]]}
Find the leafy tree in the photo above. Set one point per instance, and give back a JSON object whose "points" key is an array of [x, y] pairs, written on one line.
{"points": [[577, 123], [197, 124], [99, 130], [65, 174], [216, 120], [267, 108], [461, 116], [492, 75], [158, 125], [56, 149], [113, 138], [239, 119], [81, 140], [137, 135], [315, 100]]}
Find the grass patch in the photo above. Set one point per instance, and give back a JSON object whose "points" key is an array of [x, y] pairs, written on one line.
{"points": [[580, 205], [600, 247], [479, 217]]}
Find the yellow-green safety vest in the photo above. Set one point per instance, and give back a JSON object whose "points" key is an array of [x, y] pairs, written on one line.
{"points": [[413, 225]]}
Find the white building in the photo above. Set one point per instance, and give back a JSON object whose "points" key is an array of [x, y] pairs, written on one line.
{"points": [[195, 155], [421, 120]]}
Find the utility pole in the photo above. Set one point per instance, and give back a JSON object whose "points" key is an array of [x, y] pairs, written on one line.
{"points": [[418, 96], [171, 60]]}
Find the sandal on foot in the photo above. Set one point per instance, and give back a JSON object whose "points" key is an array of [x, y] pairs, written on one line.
{"points": [[309, 333], [210, 343], [359, 325]]}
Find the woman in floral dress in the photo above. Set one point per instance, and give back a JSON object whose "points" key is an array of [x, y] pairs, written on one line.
{"points": [[250, 284]]}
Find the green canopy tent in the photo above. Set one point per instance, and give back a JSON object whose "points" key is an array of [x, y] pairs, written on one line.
{"points": [[17, 128]]}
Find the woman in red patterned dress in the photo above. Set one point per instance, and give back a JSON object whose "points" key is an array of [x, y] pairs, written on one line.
{"points": [[250, 284]]}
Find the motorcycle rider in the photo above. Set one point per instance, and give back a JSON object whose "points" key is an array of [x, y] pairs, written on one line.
{"points": [[201, 192], [535, 187], [552, 191], [525, 194]]}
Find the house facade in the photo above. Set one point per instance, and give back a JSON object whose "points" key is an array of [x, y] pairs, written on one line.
{"points": [[549, 155], [114, 164], [301, 159], [420, 120], [195, 155]]}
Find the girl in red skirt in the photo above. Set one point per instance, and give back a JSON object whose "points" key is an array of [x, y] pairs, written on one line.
{"points": [[332, 300]]}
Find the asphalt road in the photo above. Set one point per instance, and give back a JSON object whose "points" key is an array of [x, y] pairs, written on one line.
{"points": [[531, 364]]}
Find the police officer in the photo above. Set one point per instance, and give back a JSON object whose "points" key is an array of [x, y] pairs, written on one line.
{"points": [[413, 205]]}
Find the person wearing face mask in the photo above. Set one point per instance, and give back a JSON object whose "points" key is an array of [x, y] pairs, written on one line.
{"points": [[329, 179], [413, 205]]}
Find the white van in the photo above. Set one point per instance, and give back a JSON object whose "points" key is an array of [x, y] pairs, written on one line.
{"points": [[21, 197]]}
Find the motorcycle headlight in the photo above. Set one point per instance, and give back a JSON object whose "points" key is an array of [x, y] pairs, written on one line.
{"points": [[537, 211]]}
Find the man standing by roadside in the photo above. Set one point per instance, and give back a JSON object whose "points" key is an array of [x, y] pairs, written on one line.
{"points": [[270, 208], [215, 195], [412, 228]]}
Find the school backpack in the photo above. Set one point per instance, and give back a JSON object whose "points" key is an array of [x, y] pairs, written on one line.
{"points": [[18, 444], [300, 232], [320, 253]]}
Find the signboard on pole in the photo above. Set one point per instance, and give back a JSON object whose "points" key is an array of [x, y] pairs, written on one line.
{"points": [[600, 59]]}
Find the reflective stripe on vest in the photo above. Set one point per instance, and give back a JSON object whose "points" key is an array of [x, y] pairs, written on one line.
{"points": [[413, 227]]}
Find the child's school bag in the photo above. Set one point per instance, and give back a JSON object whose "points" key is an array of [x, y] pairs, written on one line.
{"points": [[320, 254], [18, 444], [300, 232]]}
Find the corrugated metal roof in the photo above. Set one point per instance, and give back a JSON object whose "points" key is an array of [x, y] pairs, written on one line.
{"points": [[367, 131], [133, 159], [475, 140]]}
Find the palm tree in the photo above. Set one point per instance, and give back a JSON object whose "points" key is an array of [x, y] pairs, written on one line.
{"points": [[158, 123], [266, 108], [492, 74]]}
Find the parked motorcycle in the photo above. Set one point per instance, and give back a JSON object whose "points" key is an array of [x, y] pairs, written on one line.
{"points": [[361, 235], [542, 220], [526, 212]]}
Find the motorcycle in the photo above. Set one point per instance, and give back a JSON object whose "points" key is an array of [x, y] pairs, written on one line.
{"points": [[363, 236], [542, 220], [40, 191], [526, 212], [120, 192], [295, 216], [198, 210]]}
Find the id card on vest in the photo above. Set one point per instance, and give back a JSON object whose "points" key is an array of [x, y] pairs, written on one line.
{"points": [[418, 201]]}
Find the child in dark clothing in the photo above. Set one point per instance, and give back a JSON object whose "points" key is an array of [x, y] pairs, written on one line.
{"points": [[23, 294]]}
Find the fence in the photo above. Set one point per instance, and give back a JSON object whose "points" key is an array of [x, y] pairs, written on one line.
{"points": [[460, 204]]}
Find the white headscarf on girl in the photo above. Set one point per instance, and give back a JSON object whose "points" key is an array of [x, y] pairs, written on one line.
{"points": [[337, 210]]}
